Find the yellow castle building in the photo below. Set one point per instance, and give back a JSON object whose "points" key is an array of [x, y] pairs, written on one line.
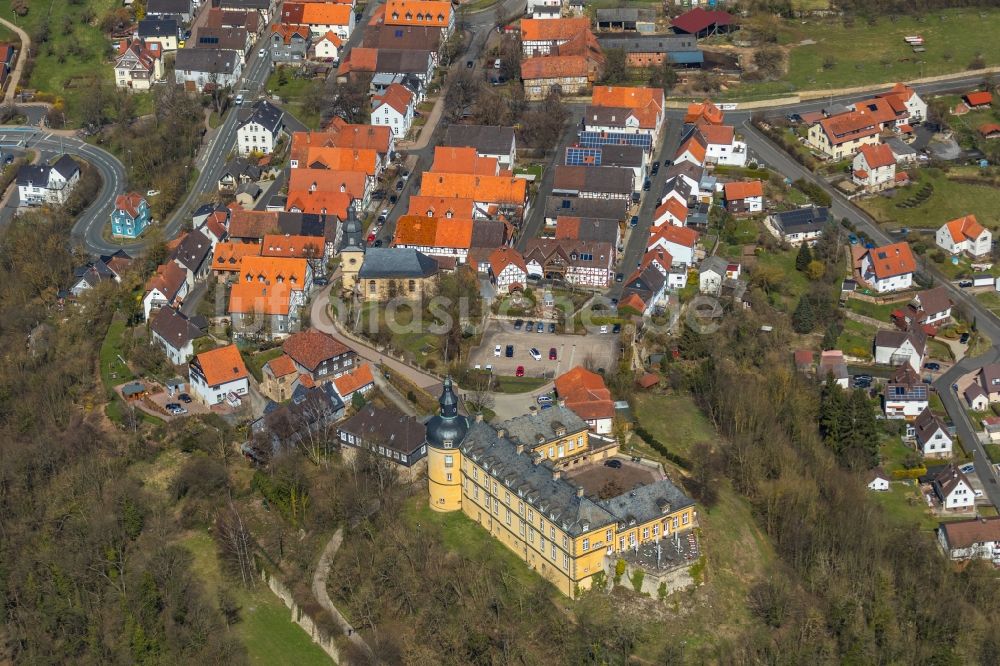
{"points": [[505, 478]]}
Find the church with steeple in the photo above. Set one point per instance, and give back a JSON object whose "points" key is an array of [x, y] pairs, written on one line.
{"points": [[351, 249], [509, 479]]}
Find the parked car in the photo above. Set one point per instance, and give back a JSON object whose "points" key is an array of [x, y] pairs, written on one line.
{"points": [[656, 168], [519, 372], [646, 186], [932, 366], [544, 400], [321, 281], [470, 64], [185, 398], [540, 327], [496, 64], [529, 327], [496, 351], [552, 327], [634, 221], [535, 354], [964, 283], [393, 199], [552, 353], [261, 53], [964, 339], [604, 329], [620, 277], [518, 324], [509, 352], [170, 406], [967, 469], [377, 243], [399, 185], [613, 464], [617, 328]]}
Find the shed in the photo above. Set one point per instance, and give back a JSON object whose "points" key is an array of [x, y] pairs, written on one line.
{"points": [[983, 280], [648, 380], [134, 391]]}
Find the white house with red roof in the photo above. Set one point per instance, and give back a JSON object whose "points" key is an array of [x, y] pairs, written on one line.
{"points": [[888, 268], [874, 168], [965, 234], [216, 373], [508, 270], [394, 109], [327, 47], [138, 64], [744, 197], [721, 146], [679, 242], [916, 107], [672, 212]]}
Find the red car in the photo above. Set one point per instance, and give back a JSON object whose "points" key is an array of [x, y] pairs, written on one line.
{"points": [[371, 237], [552, 354], [519, 372]]}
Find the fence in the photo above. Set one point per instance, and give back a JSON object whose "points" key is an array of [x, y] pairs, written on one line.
{"points": [[319, 635]]}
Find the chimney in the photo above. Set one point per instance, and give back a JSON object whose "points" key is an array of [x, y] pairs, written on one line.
{"points": [[343, 187], [501, 432], [519, 449], [561, 402], [579, 491], [479, 418], [556, 474], [312, 188]]}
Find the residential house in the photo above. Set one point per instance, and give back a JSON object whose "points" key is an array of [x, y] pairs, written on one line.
{"points": [[203, 69], [544, 9], [745, 197], [236, 40], [974, 539], [539, 37], [290, 44], [44, 184], [626, 109], [327, 191], [965, 235], [319, 355], [620, 156], [243, 17], [179, 9], [321, 17], [306, 421], [906, 396], [280, 378], [800, 225], [661, 260], [679, 242], [194, 254], [584, 263], [721, 146], [877, 480], [692, 149], [357, 381], [508, 270], [167, 287], [976, 398], [385, 432], [711, 273], [259, 133], [568, 75], [266, 297], [565, 206], [588, 228], [436, 237], [951, 488], [644, 291], [888, 268], [395, 272], [901, 347], [585, 394], [413, 13], [138, 64], [989, 378], [327, 47], [394, 109], [594, 182], [446, 207], [874, 168], [165, 32], [654, 50], [175, 334], [246, 195], [842, 135], [916, 108], [92, 273], [506, 192], [227, 259], [671, 212], [702, 113], [930, 307], [403, 38], [489, 141], [693, 175], [832, 364], [217, 373], [130, 216]]}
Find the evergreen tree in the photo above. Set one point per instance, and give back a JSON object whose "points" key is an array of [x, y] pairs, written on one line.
{"points": [[832, 413], [860, 450], [804, 317], [803, 258]]}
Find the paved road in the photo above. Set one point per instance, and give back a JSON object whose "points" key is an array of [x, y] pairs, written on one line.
{"points": [[15, 76], [90, 224]]}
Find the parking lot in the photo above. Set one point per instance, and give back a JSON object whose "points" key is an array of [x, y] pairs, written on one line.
{"points": [[595, 349], [595, 476]]}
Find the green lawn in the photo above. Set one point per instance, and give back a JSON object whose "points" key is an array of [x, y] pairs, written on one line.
{"points": [[76, 52], [856, 339], [864, 53], [991, 300], [949, 201], [905, 506], [113, 371], [673, 419], [795, 283], [939, 351], [265, 627], [292, 92], [255, 362], [877, 311], [519, 384]]}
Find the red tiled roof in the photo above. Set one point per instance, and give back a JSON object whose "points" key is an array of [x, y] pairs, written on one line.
{"points": [[699, 19], [282, 366], [892, 260], [309, 348], [633, 301], [129, 203], [396, 96], [553, 30], [673, 234], [354, 380], [585, 394], [979, 98], [704, 110], [879, 155], [503, 257], [554, 67], [744, 190], [989, 128], [965, 228], [222, 365]]}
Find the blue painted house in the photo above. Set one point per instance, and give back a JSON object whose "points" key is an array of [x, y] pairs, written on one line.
{"points": [[130, 216]]}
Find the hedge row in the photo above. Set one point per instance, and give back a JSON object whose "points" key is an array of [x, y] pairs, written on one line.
{"points": [[661, 448]]}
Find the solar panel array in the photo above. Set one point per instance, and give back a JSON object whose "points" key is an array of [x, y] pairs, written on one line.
{"points": [[580, 156], [595, 139]]}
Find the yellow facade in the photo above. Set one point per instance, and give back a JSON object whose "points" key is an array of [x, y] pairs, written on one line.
{"points": [[350, 264], [566, 446], [818, 139], [567, 562], [444, 478]]}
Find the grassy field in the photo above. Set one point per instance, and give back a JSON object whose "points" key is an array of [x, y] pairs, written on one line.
{"points": [[905, 506], [878, 53], [795, 283], [949, 201], [856, 339], [519, 384], [685, 426], [113, 371], [880, 311], [291, 92], [76, 52], [265, 626], [991, 300]]}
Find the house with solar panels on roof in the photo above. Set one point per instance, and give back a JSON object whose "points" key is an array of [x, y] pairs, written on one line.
{"points": [[798, 226], [511, 479]]}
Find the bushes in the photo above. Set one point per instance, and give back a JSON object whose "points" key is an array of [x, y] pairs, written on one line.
{"points": [[661, 448], [813, 191]]}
